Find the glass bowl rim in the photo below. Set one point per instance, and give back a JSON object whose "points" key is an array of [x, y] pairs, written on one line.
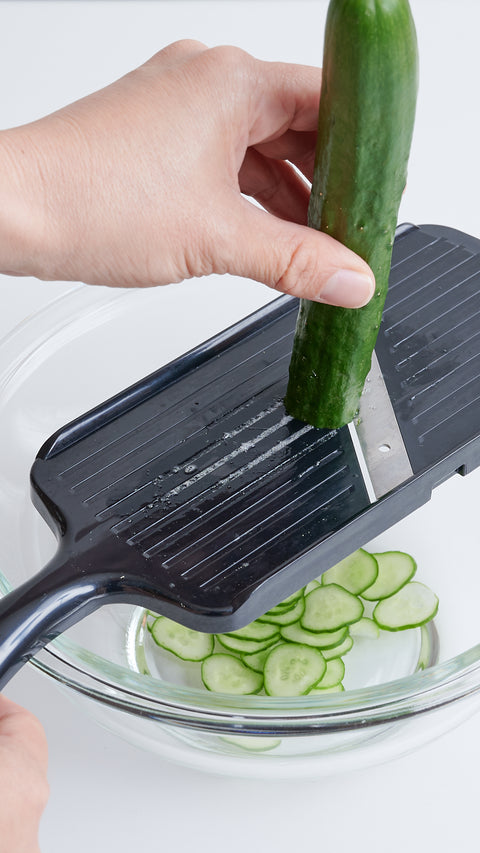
{"points": [[111, 684]]}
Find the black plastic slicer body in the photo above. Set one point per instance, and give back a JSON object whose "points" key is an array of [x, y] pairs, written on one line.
{"points": [[195, 494]]}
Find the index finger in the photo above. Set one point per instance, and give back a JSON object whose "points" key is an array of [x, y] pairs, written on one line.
{"points": [[285, 97]]}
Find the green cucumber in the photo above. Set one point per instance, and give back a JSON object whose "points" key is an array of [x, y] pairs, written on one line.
{"points": [[365, 627], [252, 743], [329, 608], [366, 118], [255, 631], [412, 606], [287, 617], [224, 673], [395, 569], [333, 675], [339, 650], [305, 654], [321, 691], [244, 646], [319, 639], [256, 660], [292, 669], [183, 642], [355, 573]]}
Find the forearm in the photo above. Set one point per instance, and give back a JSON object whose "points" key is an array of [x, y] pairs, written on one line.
{"points": [[22, 206]]}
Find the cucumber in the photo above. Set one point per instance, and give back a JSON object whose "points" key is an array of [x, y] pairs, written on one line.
{"points": [[319, 691], [329, 608], [256, 660], [304, 654], [340, 650], [365, 627], [366, 118], [292, 669], [224, 673], [319, 639], [242, 645], [333, 675], [252, 743], [286, 617], [412, 606], [311, 585], [355, 573], [395, 569], [255, 631], [183, 642]]}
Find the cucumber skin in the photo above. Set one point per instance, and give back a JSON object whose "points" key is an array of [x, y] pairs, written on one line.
{"points": [[366, 119]]}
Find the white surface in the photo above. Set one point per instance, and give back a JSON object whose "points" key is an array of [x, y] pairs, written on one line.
{"points": [[105, 794]]}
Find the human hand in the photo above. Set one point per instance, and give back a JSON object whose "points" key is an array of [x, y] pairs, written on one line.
{"points": [[23, 778], [145, 181]]}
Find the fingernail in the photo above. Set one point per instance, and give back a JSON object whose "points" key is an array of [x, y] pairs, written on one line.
{"points": [[347, 288]]}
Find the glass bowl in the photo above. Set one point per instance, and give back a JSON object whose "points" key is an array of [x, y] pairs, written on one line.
{"points": [[401, 692]]}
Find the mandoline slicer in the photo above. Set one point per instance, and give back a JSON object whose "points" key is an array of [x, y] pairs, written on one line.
{"points": [[194, 494]]}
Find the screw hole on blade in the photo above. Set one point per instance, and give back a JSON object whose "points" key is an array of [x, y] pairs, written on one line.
{"points": [[385, 448]]}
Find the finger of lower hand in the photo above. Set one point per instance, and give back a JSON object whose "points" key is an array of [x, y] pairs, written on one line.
{"points": [[276, 186]]}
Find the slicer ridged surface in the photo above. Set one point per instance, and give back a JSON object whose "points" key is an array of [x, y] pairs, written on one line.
{"points": [[210, 478], [429, 344]]}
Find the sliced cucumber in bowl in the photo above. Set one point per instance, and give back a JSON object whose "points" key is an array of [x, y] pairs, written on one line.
{"points": [[325, 638]]}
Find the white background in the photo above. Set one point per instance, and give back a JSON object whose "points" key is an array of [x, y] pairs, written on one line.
{"points": [[106, 795]]}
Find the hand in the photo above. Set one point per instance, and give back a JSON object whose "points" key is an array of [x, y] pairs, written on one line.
{"points": [[145, 181], [23, 779]]}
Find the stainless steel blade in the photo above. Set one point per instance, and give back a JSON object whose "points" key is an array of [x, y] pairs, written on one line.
{"points": [[382, 447]]}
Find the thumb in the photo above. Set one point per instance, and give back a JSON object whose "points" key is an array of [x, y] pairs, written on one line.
{"points": [[298, 260]]}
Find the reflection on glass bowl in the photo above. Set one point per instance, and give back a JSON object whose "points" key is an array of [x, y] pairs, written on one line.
{"points": [[108, 664]]}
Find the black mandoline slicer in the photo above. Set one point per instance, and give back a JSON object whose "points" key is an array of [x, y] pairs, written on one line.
{"points": [[194, 494]]}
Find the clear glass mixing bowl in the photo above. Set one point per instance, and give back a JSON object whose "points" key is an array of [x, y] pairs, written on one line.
{"points": [[90, 343]]}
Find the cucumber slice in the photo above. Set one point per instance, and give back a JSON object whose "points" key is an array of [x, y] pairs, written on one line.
{"points": [[330, 607], [319, 639], [222, 673], [412, 606], [182, 642], [318, 691], [355, 573], [298, 646], [243, 646], [252, 743], [333, 675], [340, 650], [256, 631], [425, 648], [291, 599], [287, 604], [365, 627], [287, 617], [256, 660], [312, 585], [395, 569], [292, 669]]}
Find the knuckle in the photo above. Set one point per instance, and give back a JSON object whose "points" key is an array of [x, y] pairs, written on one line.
{"points": [[300, 273], [179, 50], [229, 59]]}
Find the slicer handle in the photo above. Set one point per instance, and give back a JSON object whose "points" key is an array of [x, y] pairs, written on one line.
{"points": [[35, 613]]}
